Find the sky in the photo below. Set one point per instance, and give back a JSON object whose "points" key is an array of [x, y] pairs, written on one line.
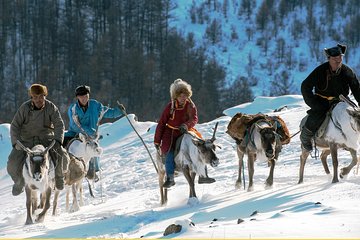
{"points": [[127, 200]]}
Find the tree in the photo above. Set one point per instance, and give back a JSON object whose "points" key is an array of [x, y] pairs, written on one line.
{"points": [[281, 85]]}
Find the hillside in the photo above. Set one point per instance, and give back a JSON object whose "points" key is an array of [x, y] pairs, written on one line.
{"points": [[126, 203], [273, 45]]}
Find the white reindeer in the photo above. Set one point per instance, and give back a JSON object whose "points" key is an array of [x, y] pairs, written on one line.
{"points": [[194, 154], [343, 131], [37, 180], [81, 150]]}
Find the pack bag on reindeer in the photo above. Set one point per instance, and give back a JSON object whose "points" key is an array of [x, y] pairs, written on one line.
{"points": [[37, 121], [258, 136], [322, 88], [240, 124], [85, 115], [178, 117]]}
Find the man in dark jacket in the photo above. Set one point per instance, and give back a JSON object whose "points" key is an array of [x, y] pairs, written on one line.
{"points": [[322, 88]]}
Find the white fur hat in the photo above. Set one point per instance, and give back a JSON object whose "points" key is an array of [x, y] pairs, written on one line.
{"points": [[178, 87]]}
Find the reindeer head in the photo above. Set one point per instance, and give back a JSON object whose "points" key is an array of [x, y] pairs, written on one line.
{"points": [[37, 161], [207, 149], [268, 140], [85, 147]]}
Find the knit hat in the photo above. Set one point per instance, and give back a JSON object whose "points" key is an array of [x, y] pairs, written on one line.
{"points": [[178, 87], [338, 50], [82, 90], [38, 89]]}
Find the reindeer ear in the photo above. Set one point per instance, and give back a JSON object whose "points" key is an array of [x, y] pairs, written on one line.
{"points": [[197, 142], [275, 124], [258, 126], [82, 136]]}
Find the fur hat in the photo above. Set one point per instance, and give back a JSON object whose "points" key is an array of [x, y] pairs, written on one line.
{"points": [[339, 49], [178, 87], [38, 89], [82, 90]]}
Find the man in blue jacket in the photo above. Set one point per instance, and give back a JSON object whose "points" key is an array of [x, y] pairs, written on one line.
{"points": [[84, 116]]}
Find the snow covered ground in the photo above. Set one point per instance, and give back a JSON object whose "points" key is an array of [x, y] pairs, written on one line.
{"points": [[126, 203]]}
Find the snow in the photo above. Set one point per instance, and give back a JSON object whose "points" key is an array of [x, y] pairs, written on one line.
{"points": [[127, 201]]}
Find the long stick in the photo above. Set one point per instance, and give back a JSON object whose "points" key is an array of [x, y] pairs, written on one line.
{"points": [[123, 110]]}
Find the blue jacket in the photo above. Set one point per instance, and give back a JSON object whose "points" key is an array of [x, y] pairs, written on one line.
{"points": [[89, 119]]}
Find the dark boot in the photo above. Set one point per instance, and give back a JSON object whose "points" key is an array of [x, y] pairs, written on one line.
{"points": [[206, 179], [18, 187], [91, 173], [306, 139], [59, 183], [59, 175], [169, 182], [203, 180]]}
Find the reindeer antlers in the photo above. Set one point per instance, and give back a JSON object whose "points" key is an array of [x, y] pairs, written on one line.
{"points": [[213, 137]]}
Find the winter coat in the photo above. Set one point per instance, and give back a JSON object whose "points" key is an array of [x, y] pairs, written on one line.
{"points": [[88, 119], [325, 84], [33, 127], [167, 131]]}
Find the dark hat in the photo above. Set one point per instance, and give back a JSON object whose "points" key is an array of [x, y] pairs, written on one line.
{"points": [[38, 89], [82, 90], [338, 50]]}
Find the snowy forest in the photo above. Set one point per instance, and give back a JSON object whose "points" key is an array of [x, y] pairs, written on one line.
{"points": [[131, 50]]}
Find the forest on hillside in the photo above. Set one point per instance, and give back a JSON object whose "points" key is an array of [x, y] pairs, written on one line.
{"points": [[127, 51]]}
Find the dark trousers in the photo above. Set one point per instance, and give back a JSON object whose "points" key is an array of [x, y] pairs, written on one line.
{"points": [[315, 119]]}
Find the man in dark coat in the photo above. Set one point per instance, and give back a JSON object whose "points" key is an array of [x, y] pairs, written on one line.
{"points": [[322, 88]]}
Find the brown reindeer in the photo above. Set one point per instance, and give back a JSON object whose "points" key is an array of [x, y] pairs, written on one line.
{"points": [[81, 150], [263, 143], [37, 180]]}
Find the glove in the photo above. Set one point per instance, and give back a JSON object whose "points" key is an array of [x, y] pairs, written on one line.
{"points": [[17, 147], [183, 128], [122, 107], [57, 145]]}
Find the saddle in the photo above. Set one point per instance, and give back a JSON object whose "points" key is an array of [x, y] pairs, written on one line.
{"points": [[321, 131], [178, 143], [241, 122]]}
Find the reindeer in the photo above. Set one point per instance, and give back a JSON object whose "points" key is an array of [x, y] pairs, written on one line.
{"points": [[194, 153], [81, 150], [37, 180], [342, 131], [261, 142]]}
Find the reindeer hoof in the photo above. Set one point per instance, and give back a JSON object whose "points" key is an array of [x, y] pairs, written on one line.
{"points": [[193, 201], [74, 209], [40, 219], [238, 185], [29, 222], [250, 189]]}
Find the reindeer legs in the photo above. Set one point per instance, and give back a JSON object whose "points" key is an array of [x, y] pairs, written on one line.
{"points": [[190, 177], [270, 179], [304, 155], [323, 157], [240, 154], [41, 216], [345, 171], [334, 156]]}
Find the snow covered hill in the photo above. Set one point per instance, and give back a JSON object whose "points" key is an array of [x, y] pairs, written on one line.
{"points": [[287, 44], [126, 203]]}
